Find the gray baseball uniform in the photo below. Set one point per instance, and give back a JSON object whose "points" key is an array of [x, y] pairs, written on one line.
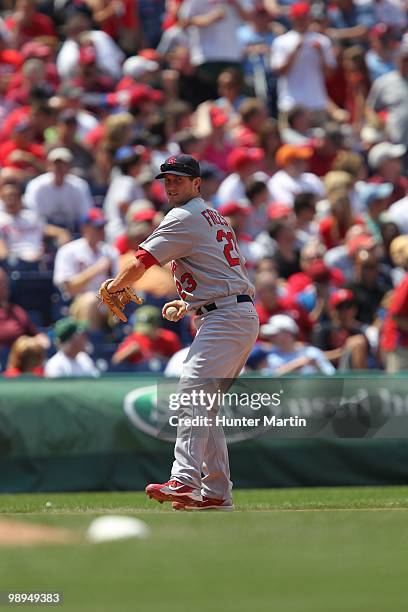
{"points": [[207, 268]]}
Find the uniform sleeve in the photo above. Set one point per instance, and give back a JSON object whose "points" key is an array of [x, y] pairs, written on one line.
{"points": [[328, 53], [278, 54], [171, 240]]}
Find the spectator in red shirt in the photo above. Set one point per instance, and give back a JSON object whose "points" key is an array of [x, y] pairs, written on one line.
{"points": [[394, 337], [26, 23], [253, 114], [14, 320], [333, 229], [20, 151], [27, 356], [272, 299], [148, 340]]}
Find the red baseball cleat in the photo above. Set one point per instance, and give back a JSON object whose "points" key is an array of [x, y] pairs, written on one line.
{"points": [[173, 490], [207, 503]]}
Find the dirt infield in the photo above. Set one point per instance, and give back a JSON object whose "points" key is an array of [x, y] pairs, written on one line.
{"points": [[17, 533]]}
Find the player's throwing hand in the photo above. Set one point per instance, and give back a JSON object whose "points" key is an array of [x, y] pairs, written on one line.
{"points": [[174, 310]]}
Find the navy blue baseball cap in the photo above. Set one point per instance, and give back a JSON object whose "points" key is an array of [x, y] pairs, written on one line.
{"points": [[181, 165]]}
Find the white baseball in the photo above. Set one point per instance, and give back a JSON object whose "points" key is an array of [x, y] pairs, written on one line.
{"points": [[171, 313], [105, 528]]}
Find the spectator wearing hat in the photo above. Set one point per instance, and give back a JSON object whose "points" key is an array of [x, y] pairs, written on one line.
{"points": [[136, 70], [82, 264], [71, 359], [342, 337], [369, 286], [273, 298], [22, 231], [211, 178], [124, 188], [292, 178], [148, 340], [394, 334], [287, 355], [209, 27], [245, 163], [389, 94], [301, 59], [59, 197], [386, 160], [380, 55], [66, 136], [375, 199], [27, 356]]}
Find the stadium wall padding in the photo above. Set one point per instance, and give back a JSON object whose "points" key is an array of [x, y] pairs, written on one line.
{"points": [[75, 435]]}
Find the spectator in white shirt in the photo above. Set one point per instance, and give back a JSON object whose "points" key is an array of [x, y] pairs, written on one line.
{"points": [[213, 35], [292, 178], [71, 359], [123, 189], [22, 231], [301, 59], [57, 196], [245, 163], [81, 266]]}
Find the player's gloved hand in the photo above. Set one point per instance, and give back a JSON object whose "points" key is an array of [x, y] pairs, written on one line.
{"points": [[174, 310], [117, 301]]}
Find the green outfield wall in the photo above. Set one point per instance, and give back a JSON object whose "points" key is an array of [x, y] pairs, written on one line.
{"points": [[109, 434]]}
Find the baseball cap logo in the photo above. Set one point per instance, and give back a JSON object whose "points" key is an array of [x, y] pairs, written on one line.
{"points": [[171, 161]]}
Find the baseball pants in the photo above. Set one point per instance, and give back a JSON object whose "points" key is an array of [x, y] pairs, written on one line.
{"points": [[217, 355]]}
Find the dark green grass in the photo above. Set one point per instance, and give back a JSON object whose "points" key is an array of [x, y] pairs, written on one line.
{"points": [[296, 550]]}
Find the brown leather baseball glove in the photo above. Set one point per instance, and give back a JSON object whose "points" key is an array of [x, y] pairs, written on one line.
{"points": [[117, 301]]}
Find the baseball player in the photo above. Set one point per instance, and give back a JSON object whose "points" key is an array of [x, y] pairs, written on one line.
{"points": [[212, 283]]}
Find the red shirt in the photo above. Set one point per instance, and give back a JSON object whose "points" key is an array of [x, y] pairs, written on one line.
{"points": [[14, 322], [286, 305], [332, 234], [7, 148], [40, 25], [165, 344], [393, 337]]}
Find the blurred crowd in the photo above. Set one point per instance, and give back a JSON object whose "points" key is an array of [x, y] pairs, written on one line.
{"points": [[298, 113]]}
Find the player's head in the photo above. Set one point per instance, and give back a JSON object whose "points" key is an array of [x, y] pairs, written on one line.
{"points": [[182, 178]]}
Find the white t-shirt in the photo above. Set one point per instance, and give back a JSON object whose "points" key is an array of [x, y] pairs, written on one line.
{"points": [[109, 56], [23, 234], [59, 365], [123, 188], [232, 187], [174, 366], [218, 41], [398, 213], [65, 205], [304, 83], [284, 187], [76, 256]]}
